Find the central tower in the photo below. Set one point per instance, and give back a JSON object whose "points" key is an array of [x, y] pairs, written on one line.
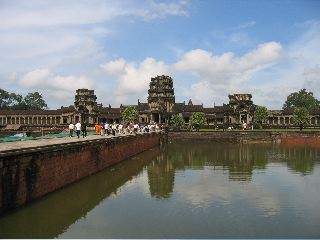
{"points": [[86, 105], [161, 98]]}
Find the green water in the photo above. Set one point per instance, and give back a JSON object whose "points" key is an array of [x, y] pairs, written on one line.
{"points": [[185, 190]]}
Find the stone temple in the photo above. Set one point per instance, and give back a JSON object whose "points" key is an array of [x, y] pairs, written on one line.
{"points": [[160, 106]]}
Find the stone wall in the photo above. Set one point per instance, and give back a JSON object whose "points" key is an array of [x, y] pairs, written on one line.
{"points": [[28, 175], [296, 138], [304, 140]]}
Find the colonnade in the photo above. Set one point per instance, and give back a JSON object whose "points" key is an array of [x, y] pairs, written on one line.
{"points": [[283, 120], [31, 120]]}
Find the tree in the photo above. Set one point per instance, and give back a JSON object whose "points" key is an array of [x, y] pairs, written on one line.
{"points": [[260, 114], [177, 121], [4, 99], [301, 117], [34, 101], [130, 114], [197, 119], [301, 99], [9, 100]]}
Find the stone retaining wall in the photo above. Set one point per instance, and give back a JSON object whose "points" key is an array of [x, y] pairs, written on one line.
{"points": [[28, 175], [311, 138]]}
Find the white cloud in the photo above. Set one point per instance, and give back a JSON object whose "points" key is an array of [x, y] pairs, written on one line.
{"points": [[299, 68], [44, 34], [45, 79], [246, 25], [157, 9], [55, 88], [35, 78], [38, 13], [133, 78], [216, 76], [115, 68], [221, 75], [227, 65]]}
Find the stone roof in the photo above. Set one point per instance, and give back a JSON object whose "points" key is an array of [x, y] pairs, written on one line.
{"points": [[315, 111], [178, 107], [182, 107], [109, 112], [193, 108], [216, 109], [288, 111], [143, 106], [67, 109], [274, 112]]}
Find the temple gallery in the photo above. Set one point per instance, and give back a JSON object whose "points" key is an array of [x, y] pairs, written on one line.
{"points": [[160, 106]]}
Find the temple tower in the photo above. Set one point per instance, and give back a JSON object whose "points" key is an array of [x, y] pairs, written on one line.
{"points": [[161, 98], [242, 108], [86, 105]]}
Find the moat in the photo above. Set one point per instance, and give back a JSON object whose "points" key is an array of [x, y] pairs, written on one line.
{"points": [[186, 189]]}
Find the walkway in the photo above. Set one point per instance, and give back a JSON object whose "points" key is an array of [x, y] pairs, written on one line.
{"points": [[6, 147]]}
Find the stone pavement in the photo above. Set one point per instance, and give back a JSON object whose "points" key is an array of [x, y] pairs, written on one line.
{"points": [[29, 144]]}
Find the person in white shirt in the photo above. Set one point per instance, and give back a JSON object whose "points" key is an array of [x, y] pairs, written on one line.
{"points": [[78, 128], [120, 128], [114, 128], [71, 128], [106, 129], [135, 128]]}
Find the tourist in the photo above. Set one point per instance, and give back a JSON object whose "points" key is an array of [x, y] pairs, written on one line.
{"points": [[78, 128], [135, 128], [130, 128], [71, 129], [102, 129], [141, 127], [97, 128], [120, 128], [84, 130], [106, 128], [114, 128]]}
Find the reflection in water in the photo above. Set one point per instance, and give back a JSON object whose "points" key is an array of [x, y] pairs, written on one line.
{"points": [[239, 160], [188, 190], [299, 159], [54, 213], [161, 177]]}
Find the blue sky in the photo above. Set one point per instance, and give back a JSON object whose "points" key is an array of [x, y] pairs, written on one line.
{"points": [[210, 49]]}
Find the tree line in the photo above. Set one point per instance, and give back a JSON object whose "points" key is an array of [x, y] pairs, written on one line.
{"points": [[32, 101]]}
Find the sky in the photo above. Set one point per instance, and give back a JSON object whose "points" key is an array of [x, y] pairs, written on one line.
{"points": [[268, 48]]}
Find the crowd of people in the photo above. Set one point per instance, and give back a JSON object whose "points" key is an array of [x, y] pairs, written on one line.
{"points": [[78, 128], [105, 129]]}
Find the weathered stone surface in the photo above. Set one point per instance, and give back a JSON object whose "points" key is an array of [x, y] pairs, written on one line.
{"points": [[32, 169], [310, 138]]}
